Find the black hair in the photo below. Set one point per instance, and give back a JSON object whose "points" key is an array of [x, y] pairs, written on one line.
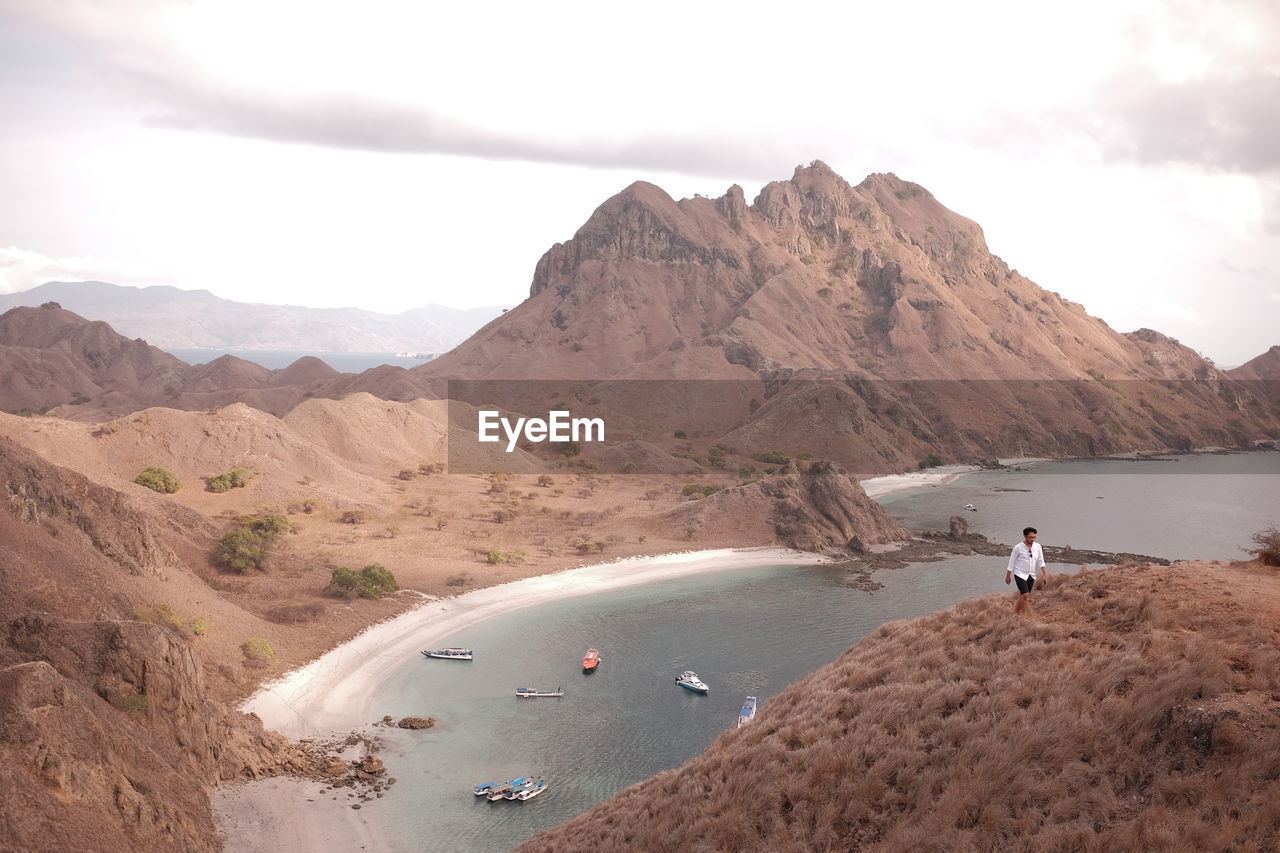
{"points": [[1027, 530]]}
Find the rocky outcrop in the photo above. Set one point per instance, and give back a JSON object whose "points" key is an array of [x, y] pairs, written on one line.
{"points": [[809, 506], [416, 722], [109, 740]]}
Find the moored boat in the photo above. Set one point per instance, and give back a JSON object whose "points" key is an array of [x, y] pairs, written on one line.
{"points": [[535, 788], [970, 507], [529, 692], [497, 792], [515, 791], [748, 712], [690, 681], [488, 787], [449, 654], [591, 661]]}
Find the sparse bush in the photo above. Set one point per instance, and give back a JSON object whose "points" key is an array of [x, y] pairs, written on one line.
{"points": [[699, 490], [159, 480], [545, 481], [375, 582], [1268, 550], [248, 543], [496, 556], [773, 457], [257, 649], [369, 582], [680, 434], [933, 460], [406, 474], [133, 703], [199, 626], [461, 579], [354, 516], [236, 478]]}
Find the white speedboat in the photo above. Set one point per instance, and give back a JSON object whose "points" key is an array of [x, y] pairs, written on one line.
{"points": [[530, 692], [748, 712], [450, 654], [970, 507], [690, 681], [535, 788]]}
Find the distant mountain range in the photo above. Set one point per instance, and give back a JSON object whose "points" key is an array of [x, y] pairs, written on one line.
{"points": [[172, 318]]}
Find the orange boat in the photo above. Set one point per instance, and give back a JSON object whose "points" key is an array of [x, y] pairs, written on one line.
{"points": [[591, 661]]}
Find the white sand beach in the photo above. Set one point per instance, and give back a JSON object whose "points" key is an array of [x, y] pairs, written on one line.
{"points": [[876, 487], [334, 693]]}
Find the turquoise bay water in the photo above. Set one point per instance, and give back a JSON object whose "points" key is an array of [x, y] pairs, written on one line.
{"points": [[745, 632]]}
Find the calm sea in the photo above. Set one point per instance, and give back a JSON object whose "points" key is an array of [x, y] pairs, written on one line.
{"points": [[343, 362], [748, 632]]}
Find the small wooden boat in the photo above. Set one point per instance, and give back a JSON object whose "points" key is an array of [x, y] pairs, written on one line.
{"points": [[488, 787], [591, 661], [690, 681], [535, 788], [450, 654], [748, 712], [498, 792], [530, 692]]}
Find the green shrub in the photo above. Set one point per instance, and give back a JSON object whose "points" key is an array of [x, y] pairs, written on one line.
{"points": [[700, 489], [236, 478], [773, 457], [680, 434], [248, 543], [496, 556], [933, 460], [375, 582], [369, 582], [257, 649], [159, 480], [199, 626]]}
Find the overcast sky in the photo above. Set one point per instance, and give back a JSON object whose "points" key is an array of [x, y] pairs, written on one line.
{"points": [[391, 154]]}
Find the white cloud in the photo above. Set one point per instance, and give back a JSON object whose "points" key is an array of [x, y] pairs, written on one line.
{"points": [[21, 269], [1275, 297]]}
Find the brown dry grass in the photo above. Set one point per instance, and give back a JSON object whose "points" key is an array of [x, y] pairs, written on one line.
{"points": [[1138, 709]]}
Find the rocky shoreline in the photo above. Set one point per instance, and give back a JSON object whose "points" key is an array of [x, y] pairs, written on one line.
{"points": [[932, 546]]}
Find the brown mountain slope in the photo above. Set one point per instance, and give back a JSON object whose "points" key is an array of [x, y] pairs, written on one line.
{"points": [[1265, 367], [867, 324], [1136, 710], [51, 358], [108, 732], [879, 280]]}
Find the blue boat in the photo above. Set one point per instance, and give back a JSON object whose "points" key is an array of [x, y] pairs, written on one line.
{"points": [[488, 789], [748, 712]]}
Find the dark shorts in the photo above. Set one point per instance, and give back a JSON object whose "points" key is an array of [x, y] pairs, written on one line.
{"points": [[1024, 584]]}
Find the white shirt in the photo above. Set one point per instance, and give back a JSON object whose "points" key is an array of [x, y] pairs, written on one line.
{"points": [[1024, 561]]}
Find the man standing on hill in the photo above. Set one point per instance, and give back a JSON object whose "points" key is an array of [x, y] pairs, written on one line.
{"points": [[1026, 557]]}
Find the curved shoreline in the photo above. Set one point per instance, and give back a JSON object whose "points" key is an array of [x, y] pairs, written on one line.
{"points": [[335, 692]]}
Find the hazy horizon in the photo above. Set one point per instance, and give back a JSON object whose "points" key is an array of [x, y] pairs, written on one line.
{"points": [[300, 155]]}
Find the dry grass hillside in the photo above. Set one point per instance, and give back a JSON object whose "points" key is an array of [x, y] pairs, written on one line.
{"points": [[1138, 709]]}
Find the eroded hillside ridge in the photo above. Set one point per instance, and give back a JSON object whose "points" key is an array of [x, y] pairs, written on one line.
{"points": [[1137, 710], [648, 426], [108, 732]]}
